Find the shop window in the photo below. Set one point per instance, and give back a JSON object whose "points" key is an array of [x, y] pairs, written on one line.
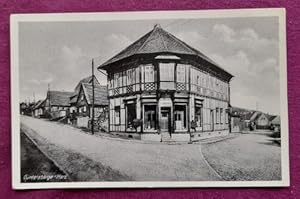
{"points": [[131, 115], [117, 115], [198, 116], [150, 117], [180, 117]]}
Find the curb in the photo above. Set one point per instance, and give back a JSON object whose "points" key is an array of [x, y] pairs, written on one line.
{"points": [[209, 166], [44, 153]]}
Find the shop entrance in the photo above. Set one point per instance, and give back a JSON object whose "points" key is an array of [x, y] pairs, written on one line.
{"points": [[165, 119]]}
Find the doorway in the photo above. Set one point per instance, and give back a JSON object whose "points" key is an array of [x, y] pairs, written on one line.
{"points": [[165, 119], [165, 123]]}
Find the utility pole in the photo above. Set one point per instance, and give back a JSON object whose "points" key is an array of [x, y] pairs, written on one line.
{"points": [[93, 100]]}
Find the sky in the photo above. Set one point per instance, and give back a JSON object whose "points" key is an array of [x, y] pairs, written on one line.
{"points": [[60, 53]]}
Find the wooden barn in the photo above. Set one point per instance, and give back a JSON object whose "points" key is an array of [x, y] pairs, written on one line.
{"points": [[176, 92]]}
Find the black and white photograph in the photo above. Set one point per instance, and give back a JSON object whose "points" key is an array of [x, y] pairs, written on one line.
{"points": [[149, 99]]}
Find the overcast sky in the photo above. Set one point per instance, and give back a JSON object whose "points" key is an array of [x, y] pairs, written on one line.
{"points": [[60, 53]]}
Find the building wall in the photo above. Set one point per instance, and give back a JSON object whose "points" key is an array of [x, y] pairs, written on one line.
{"points": [[190, 86]]}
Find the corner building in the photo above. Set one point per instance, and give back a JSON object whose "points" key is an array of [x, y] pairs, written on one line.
{"points": [[176, 91]]}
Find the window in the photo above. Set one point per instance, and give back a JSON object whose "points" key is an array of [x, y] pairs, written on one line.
{"points": [[131, 114], [166, 71], [110, 83], [131, 77], [217, 115], [226, 117], [180, 73], [150, 117], [198, 116], [206, 81], [82, 109], [137, 75], [116, 79], [149, 73], [117, 115], [221, 115], [124, 78], [180, 117]]}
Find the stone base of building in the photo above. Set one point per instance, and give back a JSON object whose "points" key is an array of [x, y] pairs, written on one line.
{"points": [[130, 135], [175, 137], [196, 136]]}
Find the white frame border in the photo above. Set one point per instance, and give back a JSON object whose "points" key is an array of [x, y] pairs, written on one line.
{"points": [[108, 16]]}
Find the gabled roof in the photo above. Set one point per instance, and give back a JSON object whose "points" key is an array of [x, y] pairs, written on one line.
{"points": [[158, 41], [275, 120], [271, 117], [247, 116], [73, 98], [100, 94], [258, 114], [40, 104], [59, 98], [87, 80]]}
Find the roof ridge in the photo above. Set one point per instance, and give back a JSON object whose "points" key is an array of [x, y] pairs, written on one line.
{"points": [[160, 37], [151, 32]]}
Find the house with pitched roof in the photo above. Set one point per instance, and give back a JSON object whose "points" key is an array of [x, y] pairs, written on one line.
{"points": [[73, 98], [260, 120], [85, 100], [173, 90], [57, 103], [275, 122], [39, 108]]}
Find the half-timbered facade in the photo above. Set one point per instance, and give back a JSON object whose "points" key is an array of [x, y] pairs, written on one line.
{"points": [[85, 100], [177, 92]]}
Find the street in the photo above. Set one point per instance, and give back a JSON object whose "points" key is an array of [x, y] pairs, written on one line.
{"points": [[80, 154]]}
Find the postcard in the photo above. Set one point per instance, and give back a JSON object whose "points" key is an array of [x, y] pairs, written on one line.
{"points": [[149, 99]]}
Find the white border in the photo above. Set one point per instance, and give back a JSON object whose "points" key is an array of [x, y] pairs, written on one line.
{"points": [[68, 17]]}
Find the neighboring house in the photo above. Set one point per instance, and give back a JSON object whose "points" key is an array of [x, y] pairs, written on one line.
{"points": [[85, 100], [26, 108], [39, 108], [275, 121], [260, 120], [23, 107], [240, 119], [166, 84], [73, 98], [57, 103]]}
